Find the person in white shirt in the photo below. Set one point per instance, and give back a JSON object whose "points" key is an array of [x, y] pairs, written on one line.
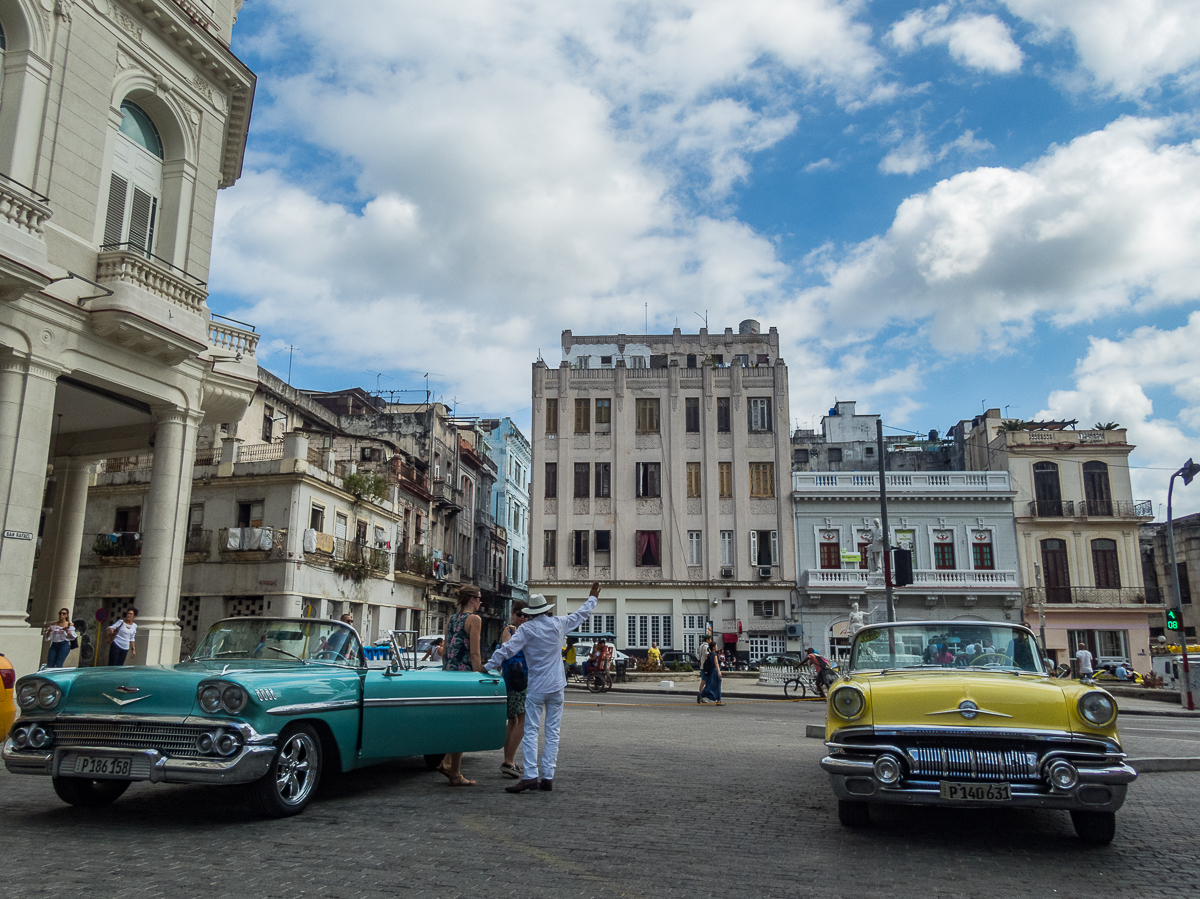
{"points": [[1084, 658], [122, 634], [541, 637], [59, 635]]}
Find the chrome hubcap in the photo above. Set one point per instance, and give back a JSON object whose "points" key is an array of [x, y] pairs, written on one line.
{"points": [[294, 768]]}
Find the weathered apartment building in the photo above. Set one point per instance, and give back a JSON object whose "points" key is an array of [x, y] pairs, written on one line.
{"points": [[958, 525], [660, 467], [119, 121], [1077, 531]]}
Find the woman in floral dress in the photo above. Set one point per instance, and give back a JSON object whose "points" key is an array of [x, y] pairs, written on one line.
{"points": [[462, 654]]}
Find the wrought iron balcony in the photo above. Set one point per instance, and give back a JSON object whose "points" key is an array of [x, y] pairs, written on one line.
{"points": [[1051, 508], [1111, 509], [414, 563]]}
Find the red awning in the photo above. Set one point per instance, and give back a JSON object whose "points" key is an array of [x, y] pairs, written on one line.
{"points": [[730, 639]]}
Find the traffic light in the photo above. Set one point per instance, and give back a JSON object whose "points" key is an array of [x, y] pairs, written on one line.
{"points": [[1172, 620], [902, 570]]}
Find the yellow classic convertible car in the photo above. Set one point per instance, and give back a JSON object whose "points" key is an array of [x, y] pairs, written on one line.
{"points": [[964, 713]]}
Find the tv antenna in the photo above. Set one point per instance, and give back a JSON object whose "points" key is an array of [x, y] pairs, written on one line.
{"points": [[378, 377], [703, 317]]}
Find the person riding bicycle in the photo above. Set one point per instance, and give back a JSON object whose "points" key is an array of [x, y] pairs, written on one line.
{"points": [[822, 668]]}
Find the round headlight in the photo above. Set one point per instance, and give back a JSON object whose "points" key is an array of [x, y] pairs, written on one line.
{"points": [[20, 737], [226, 743], [39, 737], [1062, 775], [847, 702], [48, 695], [233, 698], [27, 694], [887, 769], [204, 743], [1097, 708], [210, 698]]}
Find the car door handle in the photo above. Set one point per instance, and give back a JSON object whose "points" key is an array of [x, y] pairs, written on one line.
{"points": [[489, 680]]}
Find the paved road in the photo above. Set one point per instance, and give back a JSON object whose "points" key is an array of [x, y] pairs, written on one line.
{"points": [[656, 798]]}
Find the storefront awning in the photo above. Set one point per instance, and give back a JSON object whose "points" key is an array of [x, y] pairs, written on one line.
{"points": [[729, 638]]}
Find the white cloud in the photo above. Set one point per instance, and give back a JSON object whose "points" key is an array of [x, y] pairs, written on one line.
{"points": [[1127, 46], [912, 154], [980, 42], [1107, 223], [1111, 384], [523, 167]]}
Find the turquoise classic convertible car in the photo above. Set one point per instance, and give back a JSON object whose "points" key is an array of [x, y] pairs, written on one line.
{"points": [[267, 702]]}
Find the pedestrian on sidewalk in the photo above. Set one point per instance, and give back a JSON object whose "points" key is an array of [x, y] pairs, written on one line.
{"points": [[122, 636], [541, 639], [654, 656], [710, 674], [516, 681], [462, 654], [1084, 659], [59, 635]]}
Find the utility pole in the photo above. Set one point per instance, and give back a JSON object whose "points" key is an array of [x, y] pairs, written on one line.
{"points": [[887, 542], [1190, 470]]}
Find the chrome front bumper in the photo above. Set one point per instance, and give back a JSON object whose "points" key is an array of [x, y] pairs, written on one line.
{"points": [[1100, 789], [149, 764]]}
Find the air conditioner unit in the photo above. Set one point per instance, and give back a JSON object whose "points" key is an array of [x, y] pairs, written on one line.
{"points": [[726, 572], [764, 571], [795, 630]]}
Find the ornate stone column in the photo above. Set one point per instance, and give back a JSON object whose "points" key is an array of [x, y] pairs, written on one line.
{"points": [[164, 536], [62, 542], [27, 389]]}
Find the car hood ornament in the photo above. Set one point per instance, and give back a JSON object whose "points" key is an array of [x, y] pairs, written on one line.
{"points": [[968, 710], [125, 701]]}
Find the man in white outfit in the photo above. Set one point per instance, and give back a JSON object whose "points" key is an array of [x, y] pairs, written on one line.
{"points": [[541, 637]]}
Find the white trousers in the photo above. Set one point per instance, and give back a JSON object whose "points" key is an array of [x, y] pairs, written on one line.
{"points": [[538, 705]]}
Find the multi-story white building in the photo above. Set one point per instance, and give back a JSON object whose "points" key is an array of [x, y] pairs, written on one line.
{"points": [[510, 498], [1077, 532], [660, 465], [119, 121], [958, 525]]}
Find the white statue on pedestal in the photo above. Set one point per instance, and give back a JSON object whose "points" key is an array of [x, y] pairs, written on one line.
{"points": [[857, 620]]}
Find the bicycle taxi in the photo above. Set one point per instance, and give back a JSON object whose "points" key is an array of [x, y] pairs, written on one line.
{"points": [[592, 668]]}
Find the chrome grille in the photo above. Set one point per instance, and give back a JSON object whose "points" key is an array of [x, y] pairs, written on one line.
{"points": [[174, 740], [963, 763]]}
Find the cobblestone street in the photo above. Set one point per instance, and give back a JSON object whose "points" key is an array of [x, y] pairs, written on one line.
{"points": [[655, 796]]}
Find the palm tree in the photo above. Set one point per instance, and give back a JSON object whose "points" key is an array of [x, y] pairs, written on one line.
{"points": [[1107, 426], [1012, 424]]}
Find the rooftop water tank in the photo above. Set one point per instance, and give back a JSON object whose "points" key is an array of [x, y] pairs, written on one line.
{"points": [[749, 326]]}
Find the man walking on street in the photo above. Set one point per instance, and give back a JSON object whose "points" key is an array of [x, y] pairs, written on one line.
{"points": [[541, 637]]}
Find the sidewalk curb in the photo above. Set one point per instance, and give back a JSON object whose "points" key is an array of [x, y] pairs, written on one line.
{"points": [[1164, 713], [725, 694], [1151, 766]]}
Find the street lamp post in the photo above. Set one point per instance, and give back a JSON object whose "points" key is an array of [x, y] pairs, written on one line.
{"points": [[1190, 470]]}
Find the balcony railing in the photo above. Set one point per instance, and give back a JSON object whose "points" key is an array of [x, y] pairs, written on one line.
{"points": [[1051, 508], [23, 207], [232, 339], [124, 262], [414, 563], [971, 579], [246, 540], [117, 544], [1102, 596], [484, 518], [446, 494], [198, 541], [260, 452], [867, 483], [410, 475], [842, 577], [1058, 508], [360, 554], [1111, 509]]}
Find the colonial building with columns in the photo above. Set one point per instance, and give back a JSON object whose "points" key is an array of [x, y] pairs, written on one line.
{"points": [[119, 121]]}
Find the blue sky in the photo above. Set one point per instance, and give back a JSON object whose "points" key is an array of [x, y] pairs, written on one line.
{"points": [[940, 206]]}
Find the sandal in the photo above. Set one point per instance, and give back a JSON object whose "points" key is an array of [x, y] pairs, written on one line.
{"points": [[511, 771], [461, 782]]}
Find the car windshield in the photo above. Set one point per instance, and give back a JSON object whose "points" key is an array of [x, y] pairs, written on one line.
{"points": [[974, 644], [274, 639]]}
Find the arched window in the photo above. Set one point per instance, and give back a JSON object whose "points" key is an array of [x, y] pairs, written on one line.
{"points": [[135, 188], [1047, 494], [1104, 562], [1096, 489]]}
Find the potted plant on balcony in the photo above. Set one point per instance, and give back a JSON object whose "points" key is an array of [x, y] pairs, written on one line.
{"points": [[365, 484]]}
